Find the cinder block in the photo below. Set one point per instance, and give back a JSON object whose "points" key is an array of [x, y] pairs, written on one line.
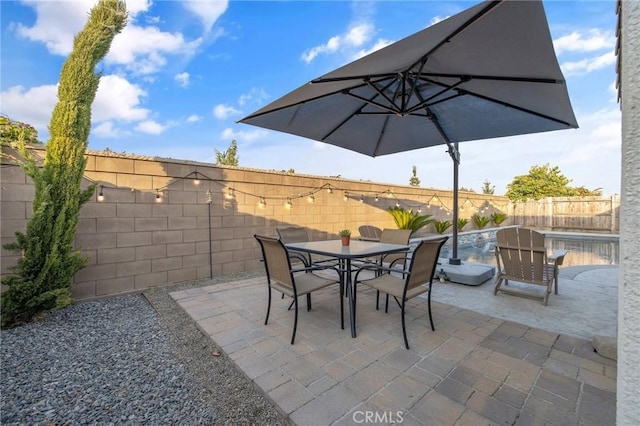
{"points": [[13, 209], [113, 164], [182, 222], [153, 279], [11, 226], [164, 237], [86, 226], [96, 272], [166, 210], [115, 224], [96, 210], [95, 241], [233, 221], [83, 290], [181, 249], [17, 192], [182, 197], [197, 210], [166, 264], [150, 224], [195, 260], [145, 167], [114, 255], [13, 174], [115, 286], [137, 267], [155, 251], [180, 275], [134, 181], [133, 239], [133, 210], [192, 235]]}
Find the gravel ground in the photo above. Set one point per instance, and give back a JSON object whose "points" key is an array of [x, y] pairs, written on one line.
{"points": [[135, 359]]}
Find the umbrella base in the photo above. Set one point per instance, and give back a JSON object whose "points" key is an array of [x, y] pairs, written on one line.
{"points": [[454, 261]]}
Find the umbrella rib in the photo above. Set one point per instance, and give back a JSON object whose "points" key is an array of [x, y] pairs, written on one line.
{"points": [[382, 131], [495, 77]]}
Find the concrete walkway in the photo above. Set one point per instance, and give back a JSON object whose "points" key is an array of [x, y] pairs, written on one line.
{"points": [[474, 369]]}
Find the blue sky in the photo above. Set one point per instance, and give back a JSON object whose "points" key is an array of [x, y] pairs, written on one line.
{"points": [[182, 73]]}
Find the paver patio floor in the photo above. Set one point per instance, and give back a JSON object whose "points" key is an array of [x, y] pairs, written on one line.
{"points": [[474, 369]]}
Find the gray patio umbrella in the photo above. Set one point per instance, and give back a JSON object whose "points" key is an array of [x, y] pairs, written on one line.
{"points": [[487, 72]]}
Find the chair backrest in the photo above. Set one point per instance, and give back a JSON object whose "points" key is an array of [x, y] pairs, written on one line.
{"points": [[395, 236], [522, 254], [369, 232], [276, 260], [424, 262], [293, 234]]}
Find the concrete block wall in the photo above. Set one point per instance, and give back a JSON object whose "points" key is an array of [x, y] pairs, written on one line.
{"points": [[133, 242]]}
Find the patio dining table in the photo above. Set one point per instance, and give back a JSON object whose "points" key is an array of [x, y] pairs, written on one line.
{"points": [[345, 254]]}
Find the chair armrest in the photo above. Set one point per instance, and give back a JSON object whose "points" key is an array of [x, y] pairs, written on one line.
{"points": [[377, 267], [557, 256]]}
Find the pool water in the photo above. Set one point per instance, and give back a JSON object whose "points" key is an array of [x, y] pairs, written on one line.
{"points": [[478, 247]]}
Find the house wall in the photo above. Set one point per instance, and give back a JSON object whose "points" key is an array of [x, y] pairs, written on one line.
{"points": [[628, 398]]}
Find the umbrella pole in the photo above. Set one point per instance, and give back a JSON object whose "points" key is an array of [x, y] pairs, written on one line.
{"points": [[455, 156]]}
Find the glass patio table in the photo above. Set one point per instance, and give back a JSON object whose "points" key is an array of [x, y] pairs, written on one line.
{"points": [[344, 255]]}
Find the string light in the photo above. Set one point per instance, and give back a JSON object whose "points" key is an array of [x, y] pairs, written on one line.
{"points": [[196, 181], [289, 203], [329, 189], [377, 198], [346, 197], [362, 198], [158, 196], [101, 194], [311, 198], [209, 196], [263, 203]]}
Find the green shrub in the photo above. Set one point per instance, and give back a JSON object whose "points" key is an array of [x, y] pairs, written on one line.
{"points": [[408, 219], [498, 217], [441, 225], [462, 222], [480, 221]]}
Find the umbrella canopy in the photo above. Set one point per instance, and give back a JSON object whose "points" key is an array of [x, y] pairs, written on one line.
{"points": [[489, 71]]}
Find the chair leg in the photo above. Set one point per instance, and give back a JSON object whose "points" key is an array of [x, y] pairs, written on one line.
{"points": [[295, 321], [404, 329], [429, 309], [386, 304], [266, 320], [377, 299], [341, 306], [308, 302]]}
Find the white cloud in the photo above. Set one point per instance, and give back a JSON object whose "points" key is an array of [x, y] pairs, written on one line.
{"points": [[193, 118], [208, 11], [256, 95], [222, 111], [243, 136], [57, 22], [117, 99], [355, 37], [182, 79], [107, 129], [18, 104], [143, 50], [151, 127], [588, 65], [380, 43], [593, 40]]}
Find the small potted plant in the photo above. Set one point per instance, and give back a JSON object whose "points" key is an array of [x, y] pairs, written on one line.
{"points": [[345, 236]]}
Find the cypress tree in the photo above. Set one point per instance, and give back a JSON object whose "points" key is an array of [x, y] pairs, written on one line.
{"points": [[42, 278]]}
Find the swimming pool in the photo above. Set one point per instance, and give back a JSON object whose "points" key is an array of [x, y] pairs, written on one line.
{"points": [[583, 249]]}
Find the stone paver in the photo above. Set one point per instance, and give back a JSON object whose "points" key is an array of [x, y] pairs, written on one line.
{"points": [[474, 369]]}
